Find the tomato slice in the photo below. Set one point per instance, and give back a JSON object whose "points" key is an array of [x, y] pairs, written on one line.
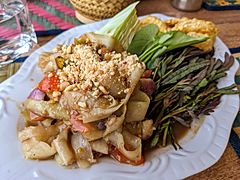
{"points": [[116, 154], [49, 83]]}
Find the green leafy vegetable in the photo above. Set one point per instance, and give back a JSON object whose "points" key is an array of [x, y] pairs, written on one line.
{"points": [[142, 38], [149, 44], [182, 72], [167, 42], [186, 90], [180, 39], [122, 26]]}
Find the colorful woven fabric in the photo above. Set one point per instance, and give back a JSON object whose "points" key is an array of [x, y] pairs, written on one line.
{"points": [[217, 5], [52, 17]]}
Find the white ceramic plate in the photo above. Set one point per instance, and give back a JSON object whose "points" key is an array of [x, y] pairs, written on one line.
{"points": [[197, 154]]}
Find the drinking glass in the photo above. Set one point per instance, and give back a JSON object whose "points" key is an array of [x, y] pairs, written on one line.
{"points": [[17, 35]]}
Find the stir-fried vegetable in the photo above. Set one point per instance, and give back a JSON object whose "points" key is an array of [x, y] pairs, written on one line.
{"points": [[46, 109], [64, 150]]}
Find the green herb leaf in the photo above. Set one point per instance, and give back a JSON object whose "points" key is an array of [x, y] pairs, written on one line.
{"points": [[155, 140], [180, 39], [203, 83], [156, 48], [163, 37], [184, 71], [142, 39], [163, 43]]}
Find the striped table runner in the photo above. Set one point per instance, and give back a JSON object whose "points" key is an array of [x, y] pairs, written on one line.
{"points": [[52, 16], [49, 17]]}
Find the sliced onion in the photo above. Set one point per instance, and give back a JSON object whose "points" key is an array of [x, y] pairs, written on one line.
{"points": [[82, 148], [147, 85], [36, 94]]}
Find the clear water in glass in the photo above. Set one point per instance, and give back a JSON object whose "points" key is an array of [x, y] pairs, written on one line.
{"points": [[17, 35]]}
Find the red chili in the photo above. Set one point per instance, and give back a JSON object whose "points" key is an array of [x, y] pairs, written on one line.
{"points": [[49, 83]]}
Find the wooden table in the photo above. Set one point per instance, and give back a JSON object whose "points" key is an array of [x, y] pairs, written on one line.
{"points": [[228, 22]]}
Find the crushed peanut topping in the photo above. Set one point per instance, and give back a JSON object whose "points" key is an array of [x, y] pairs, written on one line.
{"points": [[82, 104], [56, 94], [86, 69]]}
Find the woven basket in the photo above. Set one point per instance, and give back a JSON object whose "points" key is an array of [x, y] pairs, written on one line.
{"points": [[95, 10]]}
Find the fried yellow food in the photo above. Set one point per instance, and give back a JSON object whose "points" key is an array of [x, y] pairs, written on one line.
{"points": [[193, 27], [154, 20]]}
